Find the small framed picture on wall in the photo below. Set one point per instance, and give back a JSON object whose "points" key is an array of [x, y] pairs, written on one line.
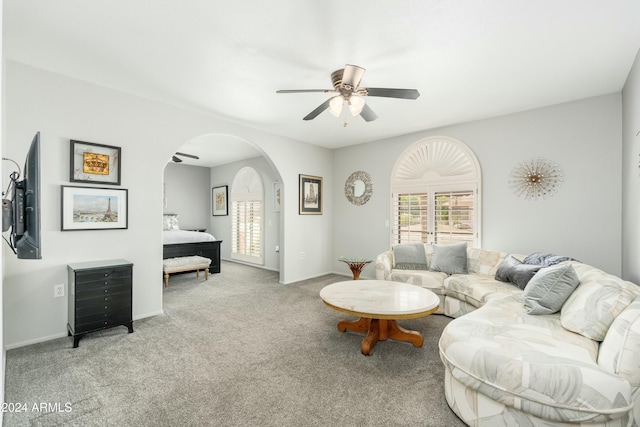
{"points": [[219, 201], [94, 163], [310, 195]]}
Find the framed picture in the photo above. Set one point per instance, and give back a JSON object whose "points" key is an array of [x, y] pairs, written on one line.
{"points": [[310, 195], [219, 201], [92, 208], [94, 163], [277, 196]]}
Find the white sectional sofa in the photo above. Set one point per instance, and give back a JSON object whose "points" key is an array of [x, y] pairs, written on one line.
{"points": [[505, 365]]}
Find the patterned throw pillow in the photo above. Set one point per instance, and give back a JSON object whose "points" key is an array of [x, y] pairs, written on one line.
{"points": [[592, 308], [170, 222], [619, 350]]}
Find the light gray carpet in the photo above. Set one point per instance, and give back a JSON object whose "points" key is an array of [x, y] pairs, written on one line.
{"points": [[237, 350]]}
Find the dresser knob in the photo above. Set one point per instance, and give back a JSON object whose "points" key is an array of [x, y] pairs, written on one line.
{"points": [[106, 274]]}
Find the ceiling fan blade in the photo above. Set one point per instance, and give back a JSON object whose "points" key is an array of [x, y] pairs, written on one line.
{"points": [[176, 159], [303, 90], [392, 93], [367, 114], [312, 115], [188, 155], [352, 75]]}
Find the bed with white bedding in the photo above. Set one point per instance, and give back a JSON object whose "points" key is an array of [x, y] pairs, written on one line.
{"points": [[178, 243], [172, 237]]}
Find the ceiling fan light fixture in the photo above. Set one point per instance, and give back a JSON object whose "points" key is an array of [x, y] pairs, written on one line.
{"points": [[335, 105], [356, 104]]}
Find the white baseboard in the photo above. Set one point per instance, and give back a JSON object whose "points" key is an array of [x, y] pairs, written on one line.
{"points": [[64, 334], [35, 340], [152, 314]]}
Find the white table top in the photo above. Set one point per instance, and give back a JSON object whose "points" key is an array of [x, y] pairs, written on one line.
{"points": [[380, 299]]}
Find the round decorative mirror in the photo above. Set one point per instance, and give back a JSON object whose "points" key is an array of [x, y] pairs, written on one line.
{"points": [[358, 188]]}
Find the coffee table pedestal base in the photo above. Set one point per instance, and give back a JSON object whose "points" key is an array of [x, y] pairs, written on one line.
{"points": [[380, 330]]}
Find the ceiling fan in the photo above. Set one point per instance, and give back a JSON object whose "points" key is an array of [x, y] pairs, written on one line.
{"points": [[177, 159], [346, 83]]}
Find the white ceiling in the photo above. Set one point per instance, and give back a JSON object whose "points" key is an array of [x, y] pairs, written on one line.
{"points": [[470, 59]]}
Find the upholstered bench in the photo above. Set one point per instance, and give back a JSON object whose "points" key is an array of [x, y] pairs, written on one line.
{"points": [[185, 263]]}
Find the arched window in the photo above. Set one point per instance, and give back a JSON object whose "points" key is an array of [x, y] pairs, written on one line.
{"points": [[247, 229], [435, 186]]}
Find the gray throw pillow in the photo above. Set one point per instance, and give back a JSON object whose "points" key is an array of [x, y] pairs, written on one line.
{"points": [[549, 288], [514, 271], [410, 256], [450, 259]]}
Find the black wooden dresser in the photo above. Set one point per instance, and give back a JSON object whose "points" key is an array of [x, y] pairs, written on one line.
{"points": [[100, 297]]}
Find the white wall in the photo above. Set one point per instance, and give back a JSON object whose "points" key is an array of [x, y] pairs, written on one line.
{"points": [[63, 108], [631, 174], [221, 225], [187, 193], [582, 220], [3, 351]]}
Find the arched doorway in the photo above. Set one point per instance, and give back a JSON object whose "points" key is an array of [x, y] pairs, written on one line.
{"points": [[240, 153]]}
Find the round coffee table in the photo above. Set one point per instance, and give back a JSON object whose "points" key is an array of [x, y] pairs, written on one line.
{"points": [[379, 303]]}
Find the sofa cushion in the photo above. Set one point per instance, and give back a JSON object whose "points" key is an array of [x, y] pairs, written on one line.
{"points": [[482, 261], [432, 280], [594, 305], [620, 348], [532, 363], [409, 256], [477, 289], [549, 288], [450, 259], [516, 272]]}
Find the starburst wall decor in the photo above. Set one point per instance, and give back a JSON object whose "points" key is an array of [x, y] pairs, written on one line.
{"points": [[535, 179]]}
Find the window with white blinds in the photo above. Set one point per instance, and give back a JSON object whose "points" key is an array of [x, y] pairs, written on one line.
{"points": [[246, 233], [247, 217], [442, 217], [435, 194]]}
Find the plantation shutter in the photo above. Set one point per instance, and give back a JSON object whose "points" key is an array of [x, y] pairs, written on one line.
{"points": [[435, 195], [246, 235], [247, 231], [442, 217]]}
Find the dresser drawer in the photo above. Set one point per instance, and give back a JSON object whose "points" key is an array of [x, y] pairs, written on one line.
{"points": [[87, 276], [102, 305], [101, 290], [103, 320]]}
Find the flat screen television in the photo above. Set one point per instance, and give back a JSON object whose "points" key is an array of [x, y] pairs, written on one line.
{"points": [[21, 213]]}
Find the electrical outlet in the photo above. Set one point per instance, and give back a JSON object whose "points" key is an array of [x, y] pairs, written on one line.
{"points": [[303, 255], [58, 291]]}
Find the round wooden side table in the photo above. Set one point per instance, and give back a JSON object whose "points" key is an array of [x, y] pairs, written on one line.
{"points": [[356, 264]]}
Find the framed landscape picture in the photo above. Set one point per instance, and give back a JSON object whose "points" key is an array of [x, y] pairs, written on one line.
{"points": [[91, 208], [219, 201], [310, 195], [94, 163]]}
